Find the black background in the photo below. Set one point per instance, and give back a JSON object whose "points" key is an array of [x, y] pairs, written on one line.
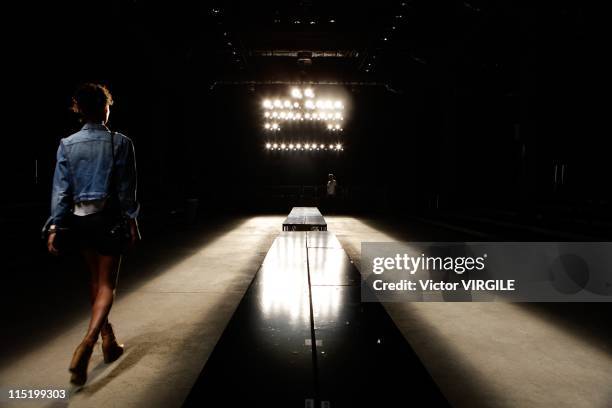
{"points": [[456, 117]]}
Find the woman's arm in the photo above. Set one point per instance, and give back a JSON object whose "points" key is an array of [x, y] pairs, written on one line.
{"points": [[127, 186], [61, 196]]}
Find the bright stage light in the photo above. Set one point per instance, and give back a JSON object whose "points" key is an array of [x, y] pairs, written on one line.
{"points": [[296, 93], [303, 147], [291, 108]]}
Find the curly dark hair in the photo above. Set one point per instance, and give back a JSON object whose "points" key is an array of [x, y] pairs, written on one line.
{"points": [[90, 99]]}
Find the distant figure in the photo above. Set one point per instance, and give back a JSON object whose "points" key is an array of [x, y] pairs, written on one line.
{"points": [[331, 186], [94, 201]]}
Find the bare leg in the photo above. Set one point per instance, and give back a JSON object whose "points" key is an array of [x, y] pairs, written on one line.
{"points": [[107, 272], [92, 261], [104, 271]]}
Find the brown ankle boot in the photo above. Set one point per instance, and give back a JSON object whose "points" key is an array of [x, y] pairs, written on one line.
{"points": [[110, 348], [80, 361]]}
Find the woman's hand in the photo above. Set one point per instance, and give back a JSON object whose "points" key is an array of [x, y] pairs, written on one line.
{"points": [[51, 244]]}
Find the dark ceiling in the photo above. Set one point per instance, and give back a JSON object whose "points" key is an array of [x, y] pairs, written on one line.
{"points": [[387, 41]]}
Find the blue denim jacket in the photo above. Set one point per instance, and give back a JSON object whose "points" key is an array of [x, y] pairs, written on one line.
{"points": [[84, 162]]}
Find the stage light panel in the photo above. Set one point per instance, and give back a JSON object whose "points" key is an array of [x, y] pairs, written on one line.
{"points": [[303, 147], [291, 108]]}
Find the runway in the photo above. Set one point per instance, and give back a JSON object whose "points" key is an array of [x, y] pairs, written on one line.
{"points": [[174, 298], [179, 291]]}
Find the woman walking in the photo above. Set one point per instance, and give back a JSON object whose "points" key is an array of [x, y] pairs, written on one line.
{"points": [[94, 203]]}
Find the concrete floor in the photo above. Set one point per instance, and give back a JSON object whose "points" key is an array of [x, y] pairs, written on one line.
{"points": [[494, 354], [481, 355], [170, 323]]}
